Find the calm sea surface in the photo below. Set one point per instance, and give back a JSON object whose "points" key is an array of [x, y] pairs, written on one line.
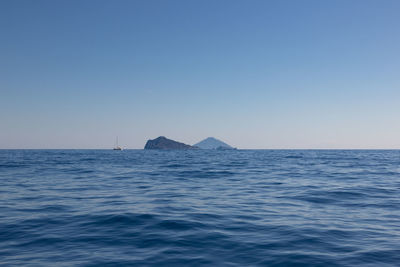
{"points": [[199, 208]]}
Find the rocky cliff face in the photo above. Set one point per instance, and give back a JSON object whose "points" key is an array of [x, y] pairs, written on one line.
{"points": [[165, 143]]}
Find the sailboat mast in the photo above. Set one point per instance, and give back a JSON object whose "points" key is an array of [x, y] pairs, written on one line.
{"points": [[117, 147]]}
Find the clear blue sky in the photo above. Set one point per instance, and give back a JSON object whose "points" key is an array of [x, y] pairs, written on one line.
{"points": [[256, 74]]}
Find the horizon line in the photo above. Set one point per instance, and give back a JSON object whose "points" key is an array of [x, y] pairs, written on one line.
{"points": [[202, 149]]}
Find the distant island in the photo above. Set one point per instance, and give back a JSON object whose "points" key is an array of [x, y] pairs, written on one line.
{"points": [[213, 143], [167, 144]]}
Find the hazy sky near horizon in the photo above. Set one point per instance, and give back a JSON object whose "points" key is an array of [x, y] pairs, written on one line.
{"points": [[256, 74]]}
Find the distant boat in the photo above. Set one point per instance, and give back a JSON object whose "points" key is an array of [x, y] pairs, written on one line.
{"points": [[117, 147]]}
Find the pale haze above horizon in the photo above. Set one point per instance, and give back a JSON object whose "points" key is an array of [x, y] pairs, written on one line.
{"points": [[254, 74]]}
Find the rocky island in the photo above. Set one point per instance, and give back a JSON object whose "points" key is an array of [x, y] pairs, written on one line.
{"points": [[165, 143], [213, 143]]}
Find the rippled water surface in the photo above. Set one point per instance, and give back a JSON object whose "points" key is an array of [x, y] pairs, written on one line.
{"points": [[199, 208]]}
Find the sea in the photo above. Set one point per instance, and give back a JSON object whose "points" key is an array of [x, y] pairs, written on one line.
{"points": [[200, 208]]}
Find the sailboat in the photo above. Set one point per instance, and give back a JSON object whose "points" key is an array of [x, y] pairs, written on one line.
{"points": [[117, 147]]}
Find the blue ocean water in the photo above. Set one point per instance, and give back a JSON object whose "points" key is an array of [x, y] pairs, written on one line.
{"points": [[200, 208]]}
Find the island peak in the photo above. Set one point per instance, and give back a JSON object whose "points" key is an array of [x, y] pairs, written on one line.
{"points": [[213, 143]]}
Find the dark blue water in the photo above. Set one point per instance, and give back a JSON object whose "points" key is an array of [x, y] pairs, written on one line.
{"points": [[199, 208]]}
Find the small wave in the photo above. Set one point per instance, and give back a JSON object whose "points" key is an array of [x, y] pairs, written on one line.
{"points": [[175, 166], [205, 174], [13, 165], [118, 220], [294, 157]]}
